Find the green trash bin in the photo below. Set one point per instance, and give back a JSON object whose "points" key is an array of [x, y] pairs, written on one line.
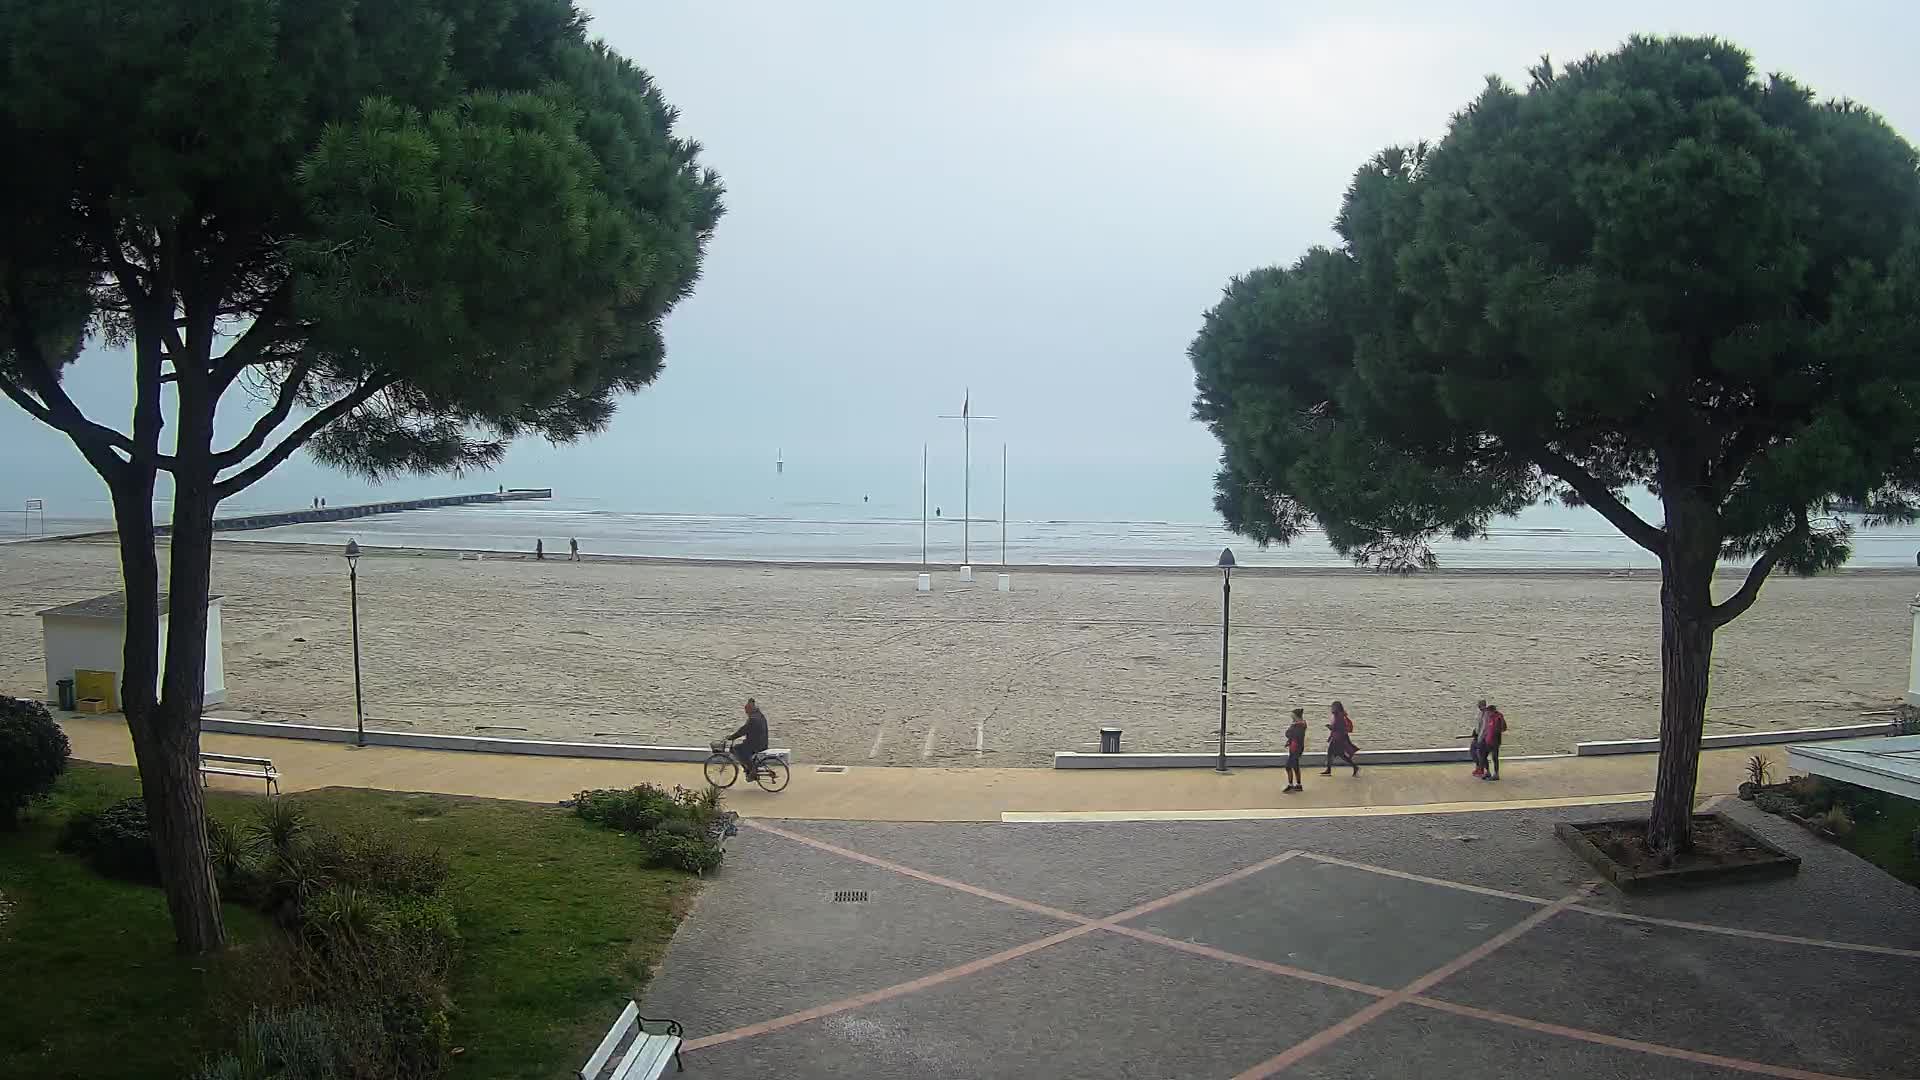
{"points": [[67, 700]]}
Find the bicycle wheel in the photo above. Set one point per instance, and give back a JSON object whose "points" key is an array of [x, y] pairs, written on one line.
{"points": [[722, 770], [774, 775]]}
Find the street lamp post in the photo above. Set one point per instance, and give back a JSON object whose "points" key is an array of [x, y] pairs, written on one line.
{"points": [[1226, 612], [353, 588]]}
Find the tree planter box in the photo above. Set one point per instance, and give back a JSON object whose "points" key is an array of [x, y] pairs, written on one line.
{"points": [[1756, 858]]}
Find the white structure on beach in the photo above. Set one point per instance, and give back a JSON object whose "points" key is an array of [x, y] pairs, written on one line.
{"points": [[91, 634], [1913, 646]]}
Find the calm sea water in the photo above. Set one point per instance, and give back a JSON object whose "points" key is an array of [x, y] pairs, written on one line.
{"points": [[1060, 514]]}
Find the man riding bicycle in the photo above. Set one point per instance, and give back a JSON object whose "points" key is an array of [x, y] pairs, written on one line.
{"points": [[753, 738]]}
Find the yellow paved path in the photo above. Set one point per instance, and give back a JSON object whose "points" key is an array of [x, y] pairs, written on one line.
{"points": [[925, 794]]}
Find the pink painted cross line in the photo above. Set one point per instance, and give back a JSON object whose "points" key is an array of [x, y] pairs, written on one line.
{"points": [[1412, 994], [1084, 926], [1320, 1040], [1606, 913], [1601, 1039]]}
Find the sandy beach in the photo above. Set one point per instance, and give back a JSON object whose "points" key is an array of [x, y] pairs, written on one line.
{"points": [[853, 666]]}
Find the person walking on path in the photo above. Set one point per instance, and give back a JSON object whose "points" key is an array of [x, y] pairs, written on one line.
{"points": [[1296, 742], [540, 550], [1340, 741], [1492, 728], [573, 549], [1477, 749]]}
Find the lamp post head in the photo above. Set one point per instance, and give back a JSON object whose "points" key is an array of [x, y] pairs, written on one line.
{"points": [[1226, 558], [352, 552]]}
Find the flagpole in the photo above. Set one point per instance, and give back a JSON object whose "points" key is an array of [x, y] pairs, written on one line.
{"points": [[966, 496], [923, 504], [966, 419], [1003, 504]]}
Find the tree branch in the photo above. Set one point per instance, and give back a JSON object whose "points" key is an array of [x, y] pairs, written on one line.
{"points": [[265, 331], [54, 408], [1740, 451], [1736, 605], [246, 478], [1596, 494], [266, 425]]}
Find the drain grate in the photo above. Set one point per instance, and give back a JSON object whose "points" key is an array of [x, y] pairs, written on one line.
{"points": [[829, 768], [850, 896]]}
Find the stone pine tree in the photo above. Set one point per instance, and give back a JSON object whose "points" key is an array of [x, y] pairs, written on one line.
{"points": [[1653, 269], [395, 234]]}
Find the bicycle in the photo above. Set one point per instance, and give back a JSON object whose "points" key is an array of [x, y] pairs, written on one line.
{"points": [[770, 770]]}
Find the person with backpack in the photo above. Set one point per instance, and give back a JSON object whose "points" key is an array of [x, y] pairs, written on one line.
{"points": [[1340, 740], [1476, 749], [1492, 728]]}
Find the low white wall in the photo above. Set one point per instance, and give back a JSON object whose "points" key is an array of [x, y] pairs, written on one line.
{"points": [[473, 743], [1318, 758], [1747, 738]]}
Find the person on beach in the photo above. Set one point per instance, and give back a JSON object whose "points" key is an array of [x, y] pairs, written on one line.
{"points": [[1296, 743], [1340, 741], [540, 549], [1492, 729], [1476, 749], [573, 549], [752, 737]]}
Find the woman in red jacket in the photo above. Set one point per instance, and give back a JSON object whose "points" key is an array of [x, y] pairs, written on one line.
{"points": [[1340, 741]]}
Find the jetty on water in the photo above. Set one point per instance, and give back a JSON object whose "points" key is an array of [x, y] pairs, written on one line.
{"points": [[360, 510]]}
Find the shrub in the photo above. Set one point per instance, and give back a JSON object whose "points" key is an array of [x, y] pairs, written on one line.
{"points": [[236, 862], [339, 914], [634, 809], [425, 924], [1837, 821], [382, 999], [695, 854], [280, 826], [1757, 768], [116, 841], [284, 1044], [33, 754], [380, 864]]}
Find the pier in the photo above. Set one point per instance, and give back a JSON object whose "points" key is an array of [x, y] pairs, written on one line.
{"points": [[360, 510]]}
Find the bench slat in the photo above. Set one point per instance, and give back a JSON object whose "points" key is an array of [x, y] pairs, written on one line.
{"points": [[237, 759], [648, 1058], [591, 1070], [249, 773]]}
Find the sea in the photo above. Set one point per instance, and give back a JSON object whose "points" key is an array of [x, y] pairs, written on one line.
{"points": [[1066, 515]]}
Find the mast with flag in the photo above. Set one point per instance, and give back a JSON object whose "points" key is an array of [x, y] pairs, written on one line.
{"points": [[966, 419]]}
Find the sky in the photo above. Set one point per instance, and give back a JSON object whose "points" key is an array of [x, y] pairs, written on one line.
{"points": [[1030, 202]]}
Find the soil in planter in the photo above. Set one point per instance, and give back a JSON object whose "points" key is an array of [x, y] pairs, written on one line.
{"points": [[1713, 845]]}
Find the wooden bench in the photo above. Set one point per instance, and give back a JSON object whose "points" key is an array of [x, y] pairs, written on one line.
{"points": [[253, 768], [646, 1053]]}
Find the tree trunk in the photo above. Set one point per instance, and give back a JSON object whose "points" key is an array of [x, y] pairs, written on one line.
{"points": [[166, 746], [176, 805], [1686, 654]]}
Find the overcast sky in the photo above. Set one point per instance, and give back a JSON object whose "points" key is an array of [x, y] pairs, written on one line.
{"points": [[1039, 200]]}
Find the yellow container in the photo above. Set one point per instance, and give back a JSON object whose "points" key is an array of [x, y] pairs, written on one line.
{"points": [[103, 685]]}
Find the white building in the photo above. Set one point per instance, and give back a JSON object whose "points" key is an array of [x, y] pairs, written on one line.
{"points": [[90, 636]]}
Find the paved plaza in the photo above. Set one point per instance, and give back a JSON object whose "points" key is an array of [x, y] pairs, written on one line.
{"points": [[1463, 945]]}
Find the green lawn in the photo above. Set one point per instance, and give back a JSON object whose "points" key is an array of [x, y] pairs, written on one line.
{"points": [[560, 925]]}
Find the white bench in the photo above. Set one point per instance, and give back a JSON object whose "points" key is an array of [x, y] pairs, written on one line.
{"points": [[646, 1054], [253, 768]]}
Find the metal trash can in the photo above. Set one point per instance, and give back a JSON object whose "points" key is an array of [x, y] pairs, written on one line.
{"points": [[1109, 740], [67, 700]]}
